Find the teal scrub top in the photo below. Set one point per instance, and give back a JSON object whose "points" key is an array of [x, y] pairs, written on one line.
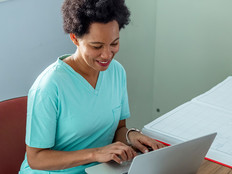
{"points": [[66, 113]]}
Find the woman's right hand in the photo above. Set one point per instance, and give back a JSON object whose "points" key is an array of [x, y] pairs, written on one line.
{"points": [[117, 152]]}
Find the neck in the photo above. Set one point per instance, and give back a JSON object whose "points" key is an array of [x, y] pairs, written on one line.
{"points": [[82, 67]]}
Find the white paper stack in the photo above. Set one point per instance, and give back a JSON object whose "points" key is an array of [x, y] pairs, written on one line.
{"points": [[207, 113]]}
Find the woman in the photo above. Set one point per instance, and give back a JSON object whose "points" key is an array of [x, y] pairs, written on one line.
{"points": [[77, 108]]}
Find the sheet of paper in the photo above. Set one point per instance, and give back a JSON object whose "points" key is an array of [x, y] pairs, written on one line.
{"points": [[219, 96], [201, 116]]}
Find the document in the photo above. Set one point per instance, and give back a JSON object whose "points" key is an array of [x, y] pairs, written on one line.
{"points": [[207, 113]]}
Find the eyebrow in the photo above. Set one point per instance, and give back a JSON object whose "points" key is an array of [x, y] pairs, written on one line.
{"points": [[104, 43]]}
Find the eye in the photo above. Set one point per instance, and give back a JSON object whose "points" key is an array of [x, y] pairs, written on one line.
{"points": [[114, 44], [97, 47]]}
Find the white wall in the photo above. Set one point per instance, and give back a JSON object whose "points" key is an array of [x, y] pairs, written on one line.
{"points": [[137, 43], [192, 49], [31, 37]]}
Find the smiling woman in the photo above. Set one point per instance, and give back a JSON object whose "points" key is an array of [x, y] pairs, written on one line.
{"points": [[78, 106], [95, 51]]}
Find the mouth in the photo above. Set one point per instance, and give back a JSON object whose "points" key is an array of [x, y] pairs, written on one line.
{"points": [[103, 63]]}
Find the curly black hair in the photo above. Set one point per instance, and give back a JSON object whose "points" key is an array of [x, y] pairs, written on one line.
{"points": [[79, 14]]}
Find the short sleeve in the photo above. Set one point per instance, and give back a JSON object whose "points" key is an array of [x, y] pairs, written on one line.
{"points": [[125, 110], [41, 119]]}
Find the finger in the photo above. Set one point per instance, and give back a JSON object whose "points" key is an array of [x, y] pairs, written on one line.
{"points": [[134, 153], [153, 143], [148, 143], [130, 153], [115, 158], [122, 154], [141, 147], [155, 146], [161, 145]]}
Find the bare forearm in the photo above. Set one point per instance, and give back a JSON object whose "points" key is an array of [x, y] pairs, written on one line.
{"points": [[56, 160], [120, 135]]}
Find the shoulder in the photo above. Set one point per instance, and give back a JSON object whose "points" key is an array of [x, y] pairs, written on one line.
{"points": [[48, 78]]}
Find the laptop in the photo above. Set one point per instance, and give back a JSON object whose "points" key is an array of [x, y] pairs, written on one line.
{"points": [[182, 158]]}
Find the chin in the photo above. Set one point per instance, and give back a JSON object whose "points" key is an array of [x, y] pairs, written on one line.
{"points": [[104, 69]]}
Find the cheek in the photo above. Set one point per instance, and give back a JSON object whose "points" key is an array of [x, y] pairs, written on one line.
{"points": [[92, 54], [115, 49]]}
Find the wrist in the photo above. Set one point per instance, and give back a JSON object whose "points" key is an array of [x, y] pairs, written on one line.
{"points": [[130, 131], [94, 154]]}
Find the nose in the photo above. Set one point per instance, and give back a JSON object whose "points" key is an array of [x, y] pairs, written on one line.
{"points": [[107, 53]]}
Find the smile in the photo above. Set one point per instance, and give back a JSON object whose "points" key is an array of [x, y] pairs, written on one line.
{"points": [[103, 63]]}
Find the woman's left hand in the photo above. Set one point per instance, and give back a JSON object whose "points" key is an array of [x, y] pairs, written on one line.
{"points": [[143, 142]]}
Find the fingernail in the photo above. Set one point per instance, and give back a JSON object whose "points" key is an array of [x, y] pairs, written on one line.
{"points": [[146, 151]]}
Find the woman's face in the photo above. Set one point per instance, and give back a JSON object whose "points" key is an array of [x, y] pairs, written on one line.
{"points": [[97, 48]]}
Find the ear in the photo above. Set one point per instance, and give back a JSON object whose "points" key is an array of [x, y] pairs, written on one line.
{"points": [[74, 39]]}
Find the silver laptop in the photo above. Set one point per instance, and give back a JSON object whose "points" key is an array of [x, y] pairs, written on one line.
{"points": [[183, 158]]}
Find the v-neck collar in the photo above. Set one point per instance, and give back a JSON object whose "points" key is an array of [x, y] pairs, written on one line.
{"points": [[81, 78]]}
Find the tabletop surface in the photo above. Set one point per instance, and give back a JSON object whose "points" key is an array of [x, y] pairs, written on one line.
{"points": [[209, 167]]}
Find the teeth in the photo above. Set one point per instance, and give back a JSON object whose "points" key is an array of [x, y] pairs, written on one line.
{"points": [[103, 62]]}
